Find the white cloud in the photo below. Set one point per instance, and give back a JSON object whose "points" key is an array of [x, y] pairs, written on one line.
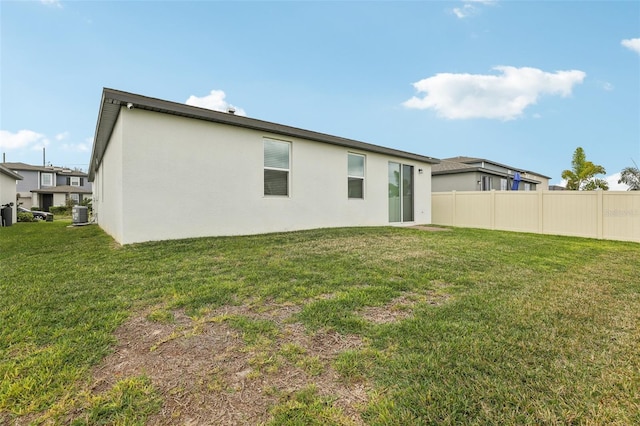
{"points": [[464, 11], [504, 96], [54, 3], [76, 147], [22, 139], [469, 8], [607, 86], [613, 183], [215, 101], [62, 136], [632, 43]]}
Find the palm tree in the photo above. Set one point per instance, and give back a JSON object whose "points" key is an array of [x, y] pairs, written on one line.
{"points": [[582, 175], [631, 176]]}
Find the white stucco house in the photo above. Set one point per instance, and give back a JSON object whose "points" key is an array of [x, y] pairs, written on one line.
{"points": [[164, 170], [8, 191]]}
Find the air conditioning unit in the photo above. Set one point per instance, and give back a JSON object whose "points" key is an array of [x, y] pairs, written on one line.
{"points": [[80, 214]]}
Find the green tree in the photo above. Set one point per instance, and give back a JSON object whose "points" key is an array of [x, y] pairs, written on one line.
{"points": [[631, 176], [582, 175]]}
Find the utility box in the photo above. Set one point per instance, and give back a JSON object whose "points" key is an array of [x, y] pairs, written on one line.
{"points": [[80, 214]]}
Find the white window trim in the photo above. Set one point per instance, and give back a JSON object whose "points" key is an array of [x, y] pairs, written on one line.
{"points": [[71, 180], [42, 175], [362, 178], [504, 184], [288, 170]]}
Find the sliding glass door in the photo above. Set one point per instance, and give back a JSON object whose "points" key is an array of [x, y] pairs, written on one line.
{"points": [[400, 192]]}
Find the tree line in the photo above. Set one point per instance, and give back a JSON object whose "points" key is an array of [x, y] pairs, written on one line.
{"points": [[582, 175]]}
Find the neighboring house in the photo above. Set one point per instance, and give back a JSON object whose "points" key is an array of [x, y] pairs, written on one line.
{"points": [[8, 181], [163, 170], [557, 188], [46, 186], [479, 174]]}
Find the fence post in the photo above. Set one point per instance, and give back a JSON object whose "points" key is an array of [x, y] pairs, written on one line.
{"points": [[541, 195], [492, 208], [453, 208]]}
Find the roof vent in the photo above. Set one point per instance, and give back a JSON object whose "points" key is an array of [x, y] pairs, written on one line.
{"points": [[231, 110]]}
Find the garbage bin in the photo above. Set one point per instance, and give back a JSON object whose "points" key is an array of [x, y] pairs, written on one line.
{"points": [[80, 214], [7, 214]]}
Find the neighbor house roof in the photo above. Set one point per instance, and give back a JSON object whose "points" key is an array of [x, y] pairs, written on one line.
{"points": [[5, 171], [49, 169], [448, 167], [113, 100], [462, 163]]}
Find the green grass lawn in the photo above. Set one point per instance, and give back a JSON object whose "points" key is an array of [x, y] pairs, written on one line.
{"points": [[496, 327]]}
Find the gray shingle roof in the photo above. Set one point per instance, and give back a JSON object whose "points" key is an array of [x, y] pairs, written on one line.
{"points": [[6, 171], [50, 169], [113, 100], [451, 166], [62, 189], [462, 160]]}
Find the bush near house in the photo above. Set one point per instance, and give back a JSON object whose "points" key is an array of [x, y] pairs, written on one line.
{"points": [[60, 210], [380, 326], [67, 209], [25, 217]]}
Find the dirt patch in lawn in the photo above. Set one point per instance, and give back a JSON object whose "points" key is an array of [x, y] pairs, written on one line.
{"points": [[207, 373], [402, 307]]}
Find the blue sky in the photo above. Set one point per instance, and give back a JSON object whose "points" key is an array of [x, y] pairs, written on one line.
{"points": [[522, 83]]}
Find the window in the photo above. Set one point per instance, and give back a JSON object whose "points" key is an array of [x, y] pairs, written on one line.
{"points": [[75, 181], [355, 175], [75, 198], [276, 167], [527, 187], [503, 184], [487, 183], [46, 179]]}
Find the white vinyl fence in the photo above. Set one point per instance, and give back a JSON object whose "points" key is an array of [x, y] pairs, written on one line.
{"points": [[611, 215]]}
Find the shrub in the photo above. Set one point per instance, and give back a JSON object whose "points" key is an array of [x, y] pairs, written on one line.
{"points": [[60, 210], [88, 203], [25, 217]]}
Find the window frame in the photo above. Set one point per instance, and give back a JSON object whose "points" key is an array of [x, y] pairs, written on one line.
{"points": [[79, 180], [266, 168], [74, 197], [42, 180], [361, 178]]}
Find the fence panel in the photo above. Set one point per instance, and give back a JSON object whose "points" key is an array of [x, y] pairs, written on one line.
{"points": [[611, 215]]}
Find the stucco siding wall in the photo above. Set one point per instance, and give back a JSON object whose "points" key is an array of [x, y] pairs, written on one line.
{"points": [[29, 181], [456, 181], [59, 199], [189, 178], [108, 188], [8, 193]]}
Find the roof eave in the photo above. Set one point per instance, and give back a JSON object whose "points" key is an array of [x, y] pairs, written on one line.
{"points": [[486, 171], [10, 173], [113, 100]]}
